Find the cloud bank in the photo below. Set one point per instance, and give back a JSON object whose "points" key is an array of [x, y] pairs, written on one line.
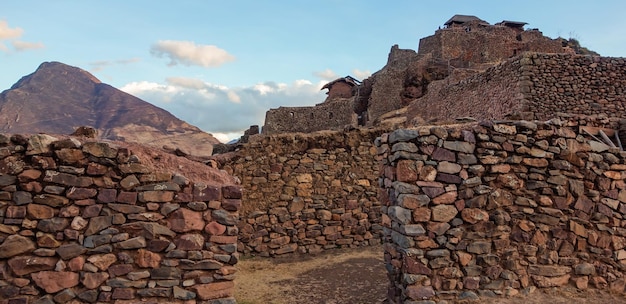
{"points": [[189, 54], [225, 112]]}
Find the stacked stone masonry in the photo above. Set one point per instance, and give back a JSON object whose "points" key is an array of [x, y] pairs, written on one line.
{"points": [[500, 208], [308, 192], [87, 222], [535, 86]]}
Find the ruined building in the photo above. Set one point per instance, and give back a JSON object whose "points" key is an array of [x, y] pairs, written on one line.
{"points": [[465, 45]]}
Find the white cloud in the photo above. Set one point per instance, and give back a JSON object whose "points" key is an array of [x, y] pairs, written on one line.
{"points": [[221, 110], [232, 96], [326, 74], [12, 35], [9, 33], [188, 53], [360, 75], [102, 64]]}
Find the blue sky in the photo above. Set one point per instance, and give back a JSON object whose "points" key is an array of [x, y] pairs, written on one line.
{"points": [[220, 65]]}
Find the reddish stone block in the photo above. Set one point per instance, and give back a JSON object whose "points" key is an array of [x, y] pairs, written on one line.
{"points": [[107, 195], [231, 191], [54, 281], [406, 171], [147, 259], [214, 228], [215, 290], [127, 197], [206, 193]]}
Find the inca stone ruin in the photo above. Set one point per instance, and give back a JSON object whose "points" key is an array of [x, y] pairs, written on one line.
{"points": [[484, 171]]}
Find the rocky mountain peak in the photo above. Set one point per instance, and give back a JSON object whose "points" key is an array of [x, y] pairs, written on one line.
{"points": [[58, 98]]}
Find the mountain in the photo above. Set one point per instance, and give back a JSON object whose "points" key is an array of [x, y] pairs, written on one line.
{"points": [[58, 98]]}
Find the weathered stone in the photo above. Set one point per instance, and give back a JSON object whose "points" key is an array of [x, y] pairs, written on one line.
{"points": [[224, 217], [444, 213], [156, 196], [99, 149], [402, 135], [134, 243], [15, 245], [184, 220], [459, 146], [553, 281], [25, 264], [416, 292], [37, 211], [39, 144], [54, 281], [479, 247], [98, 223], [413, 230], [189, 242], [102, 261], [206, 193], [548, 270], [402, 215], [147, 259], [93, 280], [183, 294], [474, 215], [448, 167], [22, 197], [76, 193], [212, 291], [148, 230], [165, 273], [51, 200]]}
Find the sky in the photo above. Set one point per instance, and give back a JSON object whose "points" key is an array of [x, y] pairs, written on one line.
{"points": [[220, 65]]}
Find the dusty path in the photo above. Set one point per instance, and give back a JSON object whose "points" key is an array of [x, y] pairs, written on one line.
{"points": [[358, 276], [333, 277]]}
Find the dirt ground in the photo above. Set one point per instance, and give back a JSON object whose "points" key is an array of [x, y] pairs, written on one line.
{"points": [[358, 276]]}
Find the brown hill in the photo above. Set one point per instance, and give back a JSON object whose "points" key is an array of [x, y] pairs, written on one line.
{"points": [[58, 98]]}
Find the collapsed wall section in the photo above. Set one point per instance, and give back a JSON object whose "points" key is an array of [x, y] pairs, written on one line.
{"points": [[89, 222], [308, 192], [500, 208]]}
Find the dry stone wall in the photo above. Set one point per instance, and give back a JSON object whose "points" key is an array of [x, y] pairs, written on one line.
{"points": [[532, 86], [331, 115], [87, 222], [308, 192], [574, 84], [501, 208]]}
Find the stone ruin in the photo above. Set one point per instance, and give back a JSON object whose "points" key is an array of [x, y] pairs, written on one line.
{"points": [[83, 221], [465, 46]]}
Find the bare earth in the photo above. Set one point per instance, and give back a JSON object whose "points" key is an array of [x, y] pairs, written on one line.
{"points": [[354, 276]]}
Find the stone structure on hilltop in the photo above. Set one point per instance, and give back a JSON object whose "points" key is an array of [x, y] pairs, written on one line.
{"points": [[465, 46]]}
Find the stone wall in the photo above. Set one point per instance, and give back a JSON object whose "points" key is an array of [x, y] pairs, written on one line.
{"points": [[535, 86], [574, 84], [488, 95], [331, 115], [86, 222], [308, 192], [486, 43], [501, 208]]}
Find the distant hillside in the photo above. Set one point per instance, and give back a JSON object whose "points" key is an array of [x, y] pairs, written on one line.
{"points": [[58, 98]]}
